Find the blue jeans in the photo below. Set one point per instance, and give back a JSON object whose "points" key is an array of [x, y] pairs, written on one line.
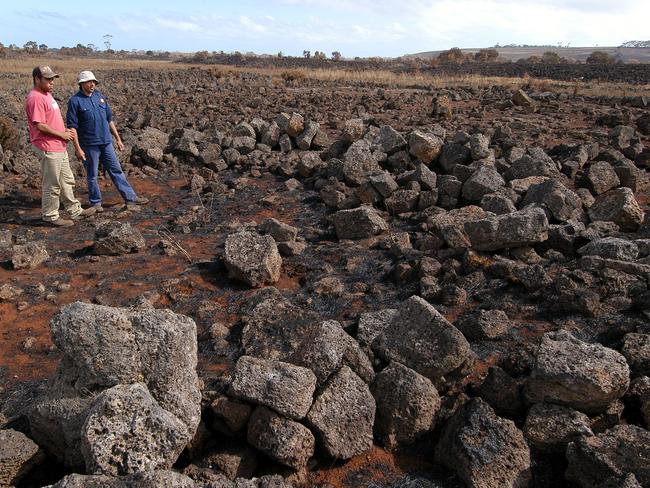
{"points": [[106, 154]]}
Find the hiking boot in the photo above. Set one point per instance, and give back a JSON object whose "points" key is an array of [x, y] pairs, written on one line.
{"points": [[132, 207], [59, 222], [86, 212], [98, 208], [139, 201]]}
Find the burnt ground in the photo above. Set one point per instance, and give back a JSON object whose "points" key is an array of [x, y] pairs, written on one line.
{"points": [[195, 282]]}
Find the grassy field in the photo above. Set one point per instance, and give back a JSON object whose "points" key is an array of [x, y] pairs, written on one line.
{"points": [[68, 68]]}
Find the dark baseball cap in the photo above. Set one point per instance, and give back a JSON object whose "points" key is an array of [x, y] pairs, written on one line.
{"points": [[44, 72]]}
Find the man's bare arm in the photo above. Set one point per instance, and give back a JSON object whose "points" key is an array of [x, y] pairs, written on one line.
{"points": [[67, 135]]}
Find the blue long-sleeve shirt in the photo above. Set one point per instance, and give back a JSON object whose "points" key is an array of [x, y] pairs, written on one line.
{"points": [[90, 115]]}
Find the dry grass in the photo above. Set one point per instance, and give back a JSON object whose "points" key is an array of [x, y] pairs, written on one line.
{"points": [[69, 67]]}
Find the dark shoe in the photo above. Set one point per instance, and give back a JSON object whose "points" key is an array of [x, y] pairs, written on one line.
{"points": [[139, 201], [86, 212], [98, 208], [59, 222]]}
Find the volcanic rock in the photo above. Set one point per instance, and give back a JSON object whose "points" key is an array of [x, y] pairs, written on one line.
{"points": [[611, 248], [358, 223], [618, 206], [29, 256], [105, 347], [326, 347], [551, 427], [484, 450], [521, 228], [636, 349], [126, 430], [284, 440], [284, 387], [252, 258], [424, 146], [390, 140], [562, 203], [407, 404], [293, 124], [423, 340], [600, 177], [569, 372], [343, 415], [18, 455], [620, 450], [115, 238], [486, 179]]}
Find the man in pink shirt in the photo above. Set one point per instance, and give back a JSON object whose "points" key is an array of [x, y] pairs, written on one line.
{"points": [[49, 139]]}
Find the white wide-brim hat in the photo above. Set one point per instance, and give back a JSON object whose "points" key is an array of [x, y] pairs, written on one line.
{"points": [[86, 76]]}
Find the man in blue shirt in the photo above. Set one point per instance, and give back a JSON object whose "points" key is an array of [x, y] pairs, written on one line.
{"points": [[90, 115]]}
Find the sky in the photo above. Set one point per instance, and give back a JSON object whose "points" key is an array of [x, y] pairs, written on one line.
{"points": [[386, 28]]}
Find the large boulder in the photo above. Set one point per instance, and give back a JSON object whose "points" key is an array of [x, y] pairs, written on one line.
{"points": [[303, 141], [252, 258], [551, 427], [284, 387], [358, 223], [104, 347], [453, 154], [29, 256], [390, 140], [532, 165], [486, 179], [116, 238], [522, 228], [611, 248], [424, 146], [484, 450], [600, 177], [126, 431], [618, 451], [569, 372], [618, 206], [293, 124], [359, 162], [407, 404], [284, 440], [562, 203], [343, 415], [422, 339], [18, 455], [326, 347]]}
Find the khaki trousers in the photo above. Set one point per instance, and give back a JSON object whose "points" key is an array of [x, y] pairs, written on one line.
{"points": [[57, 184]]}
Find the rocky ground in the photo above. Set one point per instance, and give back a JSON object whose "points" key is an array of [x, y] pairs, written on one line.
{"points": [[334, 285]]}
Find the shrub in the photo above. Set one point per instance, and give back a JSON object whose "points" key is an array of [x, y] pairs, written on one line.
{"points": [[9, 138], [600, 57], [293, 75]]}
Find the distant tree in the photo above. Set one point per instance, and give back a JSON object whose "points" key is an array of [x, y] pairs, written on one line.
{"points": [[43, 47], [92, 47], [336, 56], [600, 57], [306, 54], [3, 50], [31, 46], [319, 55], [486, 55], [550, 57], [149, 52], [107, 41], [280, 54]]}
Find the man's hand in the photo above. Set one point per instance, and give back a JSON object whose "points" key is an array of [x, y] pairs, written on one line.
{"points": [[120, 145], [68, 135], [81, 155]]}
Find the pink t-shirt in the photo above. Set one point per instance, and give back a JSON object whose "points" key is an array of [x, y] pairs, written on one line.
{"points": [[42, 108]]}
